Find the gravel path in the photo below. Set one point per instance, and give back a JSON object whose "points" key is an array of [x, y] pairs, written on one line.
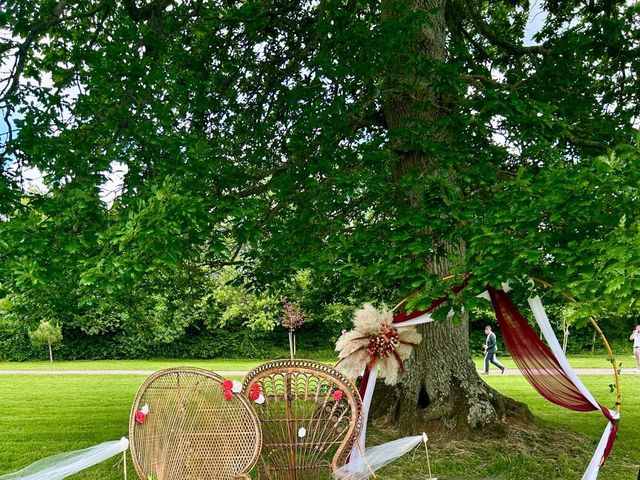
{"points": [[241, 373], [579, 371]]}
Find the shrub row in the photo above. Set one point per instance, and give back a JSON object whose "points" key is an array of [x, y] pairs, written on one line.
{"points": [[196, 342]]}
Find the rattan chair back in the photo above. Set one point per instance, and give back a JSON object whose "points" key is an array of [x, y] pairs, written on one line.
{"points": [[310, 418], [191, 432]]}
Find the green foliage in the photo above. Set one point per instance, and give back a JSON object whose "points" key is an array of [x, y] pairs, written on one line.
{"points": [[331, 138], [46, 334], [222, 318]]}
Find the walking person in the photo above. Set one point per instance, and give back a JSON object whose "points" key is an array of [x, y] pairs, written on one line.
{"points": [[635, 336], [490, 351]]}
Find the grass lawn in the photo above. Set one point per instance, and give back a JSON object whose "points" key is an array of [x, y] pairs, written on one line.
{"points": [[559, 448], [220, 364], [42, 415]]}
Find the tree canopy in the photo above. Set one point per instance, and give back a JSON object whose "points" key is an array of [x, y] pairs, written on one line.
{"points": [[260, 135]]}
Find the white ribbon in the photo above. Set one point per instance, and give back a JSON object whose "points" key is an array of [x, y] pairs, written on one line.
{"points": [[356, 460], [65, 464], [424, 318]]}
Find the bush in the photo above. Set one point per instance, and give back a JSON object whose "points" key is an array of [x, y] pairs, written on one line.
{"points": [[228, 322], [197, 341]]}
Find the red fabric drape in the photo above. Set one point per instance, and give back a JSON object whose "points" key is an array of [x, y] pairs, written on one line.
{"points": [[534, 359], [539, 365], [610, 442], [404, 316], [365, 380]]}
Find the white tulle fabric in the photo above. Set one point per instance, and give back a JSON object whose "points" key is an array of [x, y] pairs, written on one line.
{"points": [[65, 464], [376, 458], [356, 459]]}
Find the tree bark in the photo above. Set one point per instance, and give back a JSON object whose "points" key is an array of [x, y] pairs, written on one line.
{"points": [[440, 389], [50, 353]]}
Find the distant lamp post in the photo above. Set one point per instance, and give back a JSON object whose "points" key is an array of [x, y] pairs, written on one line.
{"points": [[292, 317]]}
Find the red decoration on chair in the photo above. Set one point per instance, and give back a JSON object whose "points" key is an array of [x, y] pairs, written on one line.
{"points": [[227, 385], [254, 394], [140, 417]]}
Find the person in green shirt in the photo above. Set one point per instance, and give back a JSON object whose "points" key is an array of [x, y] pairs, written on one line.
{"points": [[490, 351]]}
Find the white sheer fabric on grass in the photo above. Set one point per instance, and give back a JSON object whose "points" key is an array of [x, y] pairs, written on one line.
{"points": [[65, 464], [376, 458]]}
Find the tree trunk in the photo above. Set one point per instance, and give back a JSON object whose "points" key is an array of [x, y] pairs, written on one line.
{"points": [[441, 389], [50, 353]]}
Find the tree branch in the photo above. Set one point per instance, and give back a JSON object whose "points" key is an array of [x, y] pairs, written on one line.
{"points": [[23, 49], [494, 38]]}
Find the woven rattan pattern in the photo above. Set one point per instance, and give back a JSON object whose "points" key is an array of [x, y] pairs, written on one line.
{"points": [[191, 431], [299, 394]]}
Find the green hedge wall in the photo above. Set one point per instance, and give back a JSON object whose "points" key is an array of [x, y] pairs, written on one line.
{"points": [[199, 342], [196, 342]]}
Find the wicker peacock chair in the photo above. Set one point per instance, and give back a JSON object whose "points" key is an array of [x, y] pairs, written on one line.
{"points": [[191, 432], [311, 417]]}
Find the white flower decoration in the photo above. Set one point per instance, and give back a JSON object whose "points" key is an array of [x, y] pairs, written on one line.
{"points": [[237, 387], [375, 340]]}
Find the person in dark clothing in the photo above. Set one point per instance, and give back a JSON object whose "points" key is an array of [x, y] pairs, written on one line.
{"points": [[490, 351]]}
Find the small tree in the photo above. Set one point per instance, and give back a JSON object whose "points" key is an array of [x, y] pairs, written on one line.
{"points": [[46, 334], [292, 318]]}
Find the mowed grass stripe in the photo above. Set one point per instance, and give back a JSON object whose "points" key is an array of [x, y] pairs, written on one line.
{"points": [[44, 415]]}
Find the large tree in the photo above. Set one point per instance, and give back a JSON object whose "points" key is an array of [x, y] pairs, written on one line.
{"points": [[381, 144]]}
